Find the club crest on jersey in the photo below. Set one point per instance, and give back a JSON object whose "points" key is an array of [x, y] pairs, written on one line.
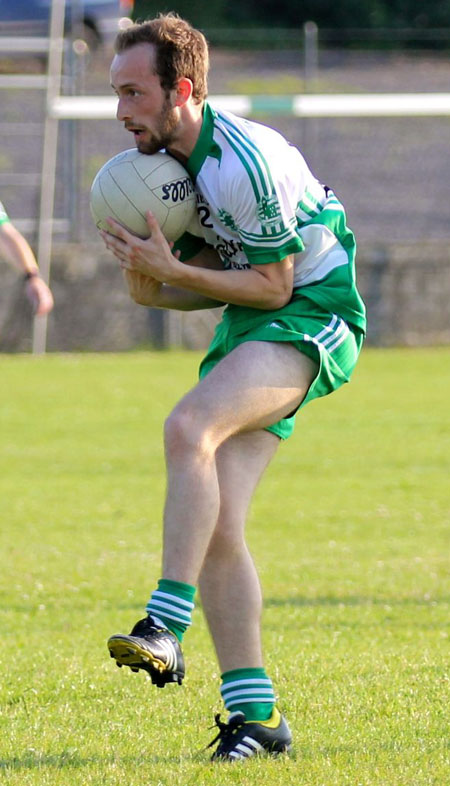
{"points": [[227, 219], [268, 211]]}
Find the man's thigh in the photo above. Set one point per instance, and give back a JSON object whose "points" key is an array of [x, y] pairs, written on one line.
{"points": [[255, 385], [322, 336]]}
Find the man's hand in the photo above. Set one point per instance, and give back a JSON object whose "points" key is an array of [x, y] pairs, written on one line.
{"points": [[39, 295], [265, 286], [151, 256]]}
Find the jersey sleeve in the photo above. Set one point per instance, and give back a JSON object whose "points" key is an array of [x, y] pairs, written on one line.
{"points": [[264, 201]]}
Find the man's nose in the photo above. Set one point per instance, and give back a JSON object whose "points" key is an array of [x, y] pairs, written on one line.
{"points": [[122, 112]]}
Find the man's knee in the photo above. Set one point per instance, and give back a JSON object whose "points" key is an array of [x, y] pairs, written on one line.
{"points": [[185, 433]]}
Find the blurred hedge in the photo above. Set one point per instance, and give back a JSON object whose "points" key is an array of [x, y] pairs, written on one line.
{"points": [[371, 14]]}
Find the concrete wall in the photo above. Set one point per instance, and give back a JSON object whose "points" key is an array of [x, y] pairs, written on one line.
{"points": [[406, 288], [407, 291]]}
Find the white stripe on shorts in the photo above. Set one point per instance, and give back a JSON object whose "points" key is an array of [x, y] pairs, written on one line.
{"points": [[332, 335]]}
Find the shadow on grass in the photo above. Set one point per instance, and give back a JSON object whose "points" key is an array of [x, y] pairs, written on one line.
{"points": [[72, 760], [326, 600], [353, 600], [299, 601]]}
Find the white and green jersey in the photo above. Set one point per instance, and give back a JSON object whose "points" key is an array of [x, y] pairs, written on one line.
{"points": [[258, 202], [3, 214]]}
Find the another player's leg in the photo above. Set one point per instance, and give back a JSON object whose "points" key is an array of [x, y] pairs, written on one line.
{"points": [[232, 603]]}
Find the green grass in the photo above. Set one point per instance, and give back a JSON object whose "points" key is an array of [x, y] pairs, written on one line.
{"points": [[349, 530]]}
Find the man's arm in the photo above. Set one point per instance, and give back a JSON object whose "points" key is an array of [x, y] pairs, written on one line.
{"points": [[266, 286], [15, 250], [147, 291]]}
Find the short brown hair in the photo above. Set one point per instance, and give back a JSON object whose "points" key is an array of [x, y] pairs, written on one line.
{"points": [[181, 51]]}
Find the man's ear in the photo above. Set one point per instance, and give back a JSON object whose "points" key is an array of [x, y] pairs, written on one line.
{"points": [[183, 91]]}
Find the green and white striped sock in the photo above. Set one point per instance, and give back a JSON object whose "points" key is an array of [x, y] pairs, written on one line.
{"points": [[249, 691], [172, 604]]}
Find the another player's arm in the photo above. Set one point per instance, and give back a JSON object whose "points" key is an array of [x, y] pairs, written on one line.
{"points": [[15, 249]]}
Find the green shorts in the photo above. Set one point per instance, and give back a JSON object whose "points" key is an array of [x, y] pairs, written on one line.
{"points": [[325, 337]]}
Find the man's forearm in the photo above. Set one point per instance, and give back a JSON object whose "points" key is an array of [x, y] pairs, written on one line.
{"points": [[146, 291], [181, 300], [16, 250], [263, 287]]}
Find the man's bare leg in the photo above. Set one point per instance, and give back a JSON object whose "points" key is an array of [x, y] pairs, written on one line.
{"points": [[255, 385], [229, 585]]}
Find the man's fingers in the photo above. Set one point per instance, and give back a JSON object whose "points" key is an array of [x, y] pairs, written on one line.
{"points": [[153, 225], [115, 244], [117, 230]]}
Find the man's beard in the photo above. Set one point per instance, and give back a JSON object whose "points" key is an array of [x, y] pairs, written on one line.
{"points": [[165, 133]]}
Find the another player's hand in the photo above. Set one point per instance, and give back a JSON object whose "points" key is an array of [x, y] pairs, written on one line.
{"points": [[39, 296], [143, 289], [151, 256]]}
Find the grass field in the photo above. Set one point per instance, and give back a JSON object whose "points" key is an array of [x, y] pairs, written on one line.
{"points": [[350, 532]]}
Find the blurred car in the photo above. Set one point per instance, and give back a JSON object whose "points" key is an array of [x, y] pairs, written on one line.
{"points": [[95, 21]]}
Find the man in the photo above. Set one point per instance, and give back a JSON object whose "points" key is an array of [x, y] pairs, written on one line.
{"points": [[15, 250], [274, 246]]}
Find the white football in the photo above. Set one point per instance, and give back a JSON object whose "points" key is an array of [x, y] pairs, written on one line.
{"points": [[131, 183]]}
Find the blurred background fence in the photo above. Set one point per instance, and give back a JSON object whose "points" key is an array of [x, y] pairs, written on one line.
{"points": [[392, 173]]}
